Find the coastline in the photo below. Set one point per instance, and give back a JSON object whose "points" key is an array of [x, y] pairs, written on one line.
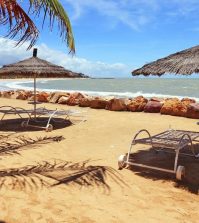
{"points": [[185, 107], [120, 88]]}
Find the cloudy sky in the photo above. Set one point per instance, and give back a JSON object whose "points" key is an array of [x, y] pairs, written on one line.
{"points": [[114, 37]]}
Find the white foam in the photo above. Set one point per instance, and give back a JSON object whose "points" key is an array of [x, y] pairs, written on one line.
{"points": [[18, 85]]}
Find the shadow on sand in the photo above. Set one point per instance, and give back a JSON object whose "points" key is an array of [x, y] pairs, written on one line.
{"points": [[14, 125], [166, 160], [11, 144], [59, 172]]}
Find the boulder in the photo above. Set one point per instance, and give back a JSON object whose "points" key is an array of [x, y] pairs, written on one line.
{"points": [[74, 98], [42, 97], [193, 111], [117, 104], [172, 99], [153, 107], [85, 102], [54, 97], [63, 100], [22, 95], [188, 101], [8, 94], [137, 104], [157, 99], [174, 107], [98, 103]]}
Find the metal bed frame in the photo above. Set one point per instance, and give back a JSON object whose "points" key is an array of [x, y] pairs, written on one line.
{"points": [[171, 139], [35, 115]]}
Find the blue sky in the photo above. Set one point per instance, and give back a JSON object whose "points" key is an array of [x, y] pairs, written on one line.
{"points": [[113, 37]]}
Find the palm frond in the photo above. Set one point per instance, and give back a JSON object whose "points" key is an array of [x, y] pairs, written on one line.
{"points": [[19, 22], [55, 11], [60, 172], [11, 145]]}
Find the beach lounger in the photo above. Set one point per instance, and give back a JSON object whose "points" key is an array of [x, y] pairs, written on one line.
{"points": [[9, 110], [168, 141], [34, 116]]}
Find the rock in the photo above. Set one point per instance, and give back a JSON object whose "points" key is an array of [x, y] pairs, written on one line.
{"points": [[137, 104], [42, 97], [85, 102], [116, 104], [174, 107], [22, 95], [172, 99], [193, 110], [63, 100], [7, 94], [157, 99], [54, 97], [74, 98], [188, 101], [153, 107], [98, 103]]}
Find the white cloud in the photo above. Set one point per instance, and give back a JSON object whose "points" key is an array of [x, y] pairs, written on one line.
{"points": [[10, 54], [128, 12], [134, 13]]}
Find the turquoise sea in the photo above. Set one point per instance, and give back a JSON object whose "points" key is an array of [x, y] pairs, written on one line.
{"points": [[127, 87]]}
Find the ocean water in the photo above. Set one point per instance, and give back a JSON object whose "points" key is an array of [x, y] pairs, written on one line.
{"points": [[128, 87]]}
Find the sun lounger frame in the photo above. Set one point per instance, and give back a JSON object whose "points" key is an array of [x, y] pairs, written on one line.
{"points": [[174, 140], [34, 115]]}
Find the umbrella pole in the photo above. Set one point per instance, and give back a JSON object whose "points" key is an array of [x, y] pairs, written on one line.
{"points": [[35, 96]]}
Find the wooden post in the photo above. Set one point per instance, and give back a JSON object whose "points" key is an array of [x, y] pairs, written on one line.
{"points": [[35, 93], [35, 52]]}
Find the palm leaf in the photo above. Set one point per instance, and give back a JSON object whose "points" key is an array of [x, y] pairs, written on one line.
{"points": [[11, 145], [12, 14], [56, 12], [60, 172], [19, 22]]}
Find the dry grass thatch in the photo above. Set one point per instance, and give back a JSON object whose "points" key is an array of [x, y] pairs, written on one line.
{"points": [[184, 62], [36, 66]]}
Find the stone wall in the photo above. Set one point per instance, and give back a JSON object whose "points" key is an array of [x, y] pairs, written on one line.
{"points": [[170, 106]]}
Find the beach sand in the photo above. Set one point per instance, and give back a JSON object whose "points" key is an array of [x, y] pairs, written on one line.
{"points": [[77, 179]]}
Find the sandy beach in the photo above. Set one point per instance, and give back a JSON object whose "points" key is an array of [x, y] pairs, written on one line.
{"points": [[77, 179]]}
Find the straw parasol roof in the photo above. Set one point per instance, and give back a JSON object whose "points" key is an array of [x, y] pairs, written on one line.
{"points": [[36, 66], [184, 62]]}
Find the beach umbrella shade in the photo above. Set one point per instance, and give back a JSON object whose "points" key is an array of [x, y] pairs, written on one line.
{"points": [[35, 67], [185, 62]]}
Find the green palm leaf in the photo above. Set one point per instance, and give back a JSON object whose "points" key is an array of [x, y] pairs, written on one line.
{"points": [[12, 14], [19, 22]]}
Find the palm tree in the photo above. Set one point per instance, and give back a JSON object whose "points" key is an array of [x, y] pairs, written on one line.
{"points": [[20, 24]]}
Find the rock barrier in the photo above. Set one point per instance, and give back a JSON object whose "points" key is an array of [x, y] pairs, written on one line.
{"points": [[186, 107]]}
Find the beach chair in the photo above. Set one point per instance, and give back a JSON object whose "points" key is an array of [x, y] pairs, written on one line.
{"points": [[52, 115], [9, 110], [34, 116], [168, 141]]}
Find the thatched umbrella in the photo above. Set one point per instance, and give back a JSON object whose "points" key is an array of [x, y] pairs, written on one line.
{"points": [[184, 62], [36, 67]]}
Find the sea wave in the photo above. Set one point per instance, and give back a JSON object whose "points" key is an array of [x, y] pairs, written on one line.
{"points": [[20, 85], [17, 85]]}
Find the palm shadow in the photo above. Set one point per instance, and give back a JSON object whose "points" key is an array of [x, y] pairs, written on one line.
{"points": [[59, 172], [10, 125], [12, 144], [165, 160]]}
